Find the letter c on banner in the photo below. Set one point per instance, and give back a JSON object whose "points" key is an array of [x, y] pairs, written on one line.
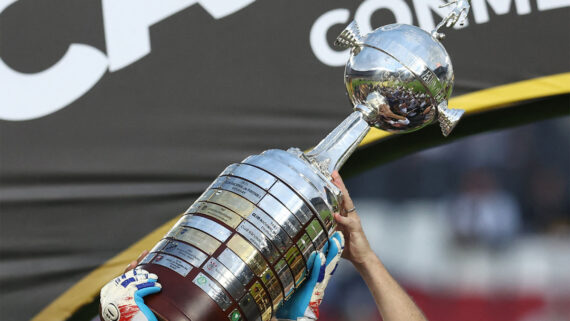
{"points": [[28, 96], [363, 15], [318, 38]]}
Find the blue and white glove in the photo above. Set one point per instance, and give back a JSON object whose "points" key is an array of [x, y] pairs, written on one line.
{"points": [[304, 304], [122, 298]]}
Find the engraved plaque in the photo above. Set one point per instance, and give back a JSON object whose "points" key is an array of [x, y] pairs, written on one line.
{"points": [[257, 239], [205, 225], [232, 201], [229, 169], [159, 246], [205, 196], [292, 201], [197, 238], [243, 188], [236, 265], [186, 252], [218, 212], [148, 258], [256, 175], [271, 229], [170, 262], [221, 274], [248, 254], [218, 182], [281, 214], [213, 290]]}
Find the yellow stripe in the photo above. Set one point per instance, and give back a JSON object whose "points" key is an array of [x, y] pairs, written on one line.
{"points": [[498, 97], [84, 291], [88, 288]]}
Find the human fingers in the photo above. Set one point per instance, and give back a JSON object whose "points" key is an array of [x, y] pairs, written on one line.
{"points": [[346, 200], [131, 266], [349, 224], [136, 262]]}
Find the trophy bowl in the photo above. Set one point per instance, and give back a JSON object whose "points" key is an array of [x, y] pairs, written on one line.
{"points": [[401, 70]]}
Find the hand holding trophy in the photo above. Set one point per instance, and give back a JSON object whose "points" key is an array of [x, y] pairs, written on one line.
{"points": [[242, 248]]}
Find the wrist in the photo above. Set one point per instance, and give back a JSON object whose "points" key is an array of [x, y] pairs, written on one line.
{"points": [[367, 262]]}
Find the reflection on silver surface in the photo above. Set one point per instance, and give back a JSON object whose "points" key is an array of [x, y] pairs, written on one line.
{"points": [[306, 246], [254, 174], [236, 265], [286, 277], [303, 187], [160, 245], [280, 214], [408, 68], [249, 308], [213, 290], [292, 201], [271, 229], [257, 239], [221, 274], [296, 160], [186, 252], [172, 263], [244, 188], [205, 225], [147, 258]]}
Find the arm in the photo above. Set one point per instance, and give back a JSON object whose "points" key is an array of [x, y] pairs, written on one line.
{"points": [[392, 301]]}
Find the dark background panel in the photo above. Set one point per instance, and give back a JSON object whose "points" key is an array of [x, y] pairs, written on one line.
{"points": [[80, 184]]}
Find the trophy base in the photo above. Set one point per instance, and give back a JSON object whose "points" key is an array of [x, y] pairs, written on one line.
{"points": [[167, 307], [243, 246]]}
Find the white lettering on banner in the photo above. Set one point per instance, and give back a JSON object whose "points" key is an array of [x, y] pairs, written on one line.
{"points": [[126, 23], [399, 8], [318, 37], [552, 4], [29, 96], [500, 7], [424, 10], [25, 96]]}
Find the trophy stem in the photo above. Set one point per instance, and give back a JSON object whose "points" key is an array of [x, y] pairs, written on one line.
{"points": [[333, 151]]}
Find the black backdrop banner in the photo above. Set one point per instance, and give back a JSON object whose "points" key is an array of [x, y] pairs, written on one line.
{"points": [[115, 114]]}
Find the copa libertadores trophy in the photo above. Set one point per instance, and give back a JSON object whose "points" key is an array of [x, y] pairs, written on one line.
{"points": [[241, 249]]}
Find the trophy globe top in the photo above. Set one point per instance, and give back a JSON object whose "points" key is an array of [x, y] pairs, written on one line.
{"points": [[402, 74]]}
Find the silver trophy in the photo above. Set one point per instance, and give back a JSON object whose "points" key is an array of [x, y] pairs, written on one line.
{"points": [[241, 249]]}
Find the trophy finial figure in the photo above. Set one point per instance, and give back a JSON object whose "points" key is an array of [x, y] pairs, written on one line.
{"points": [[349, 38], [458, 14]]}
